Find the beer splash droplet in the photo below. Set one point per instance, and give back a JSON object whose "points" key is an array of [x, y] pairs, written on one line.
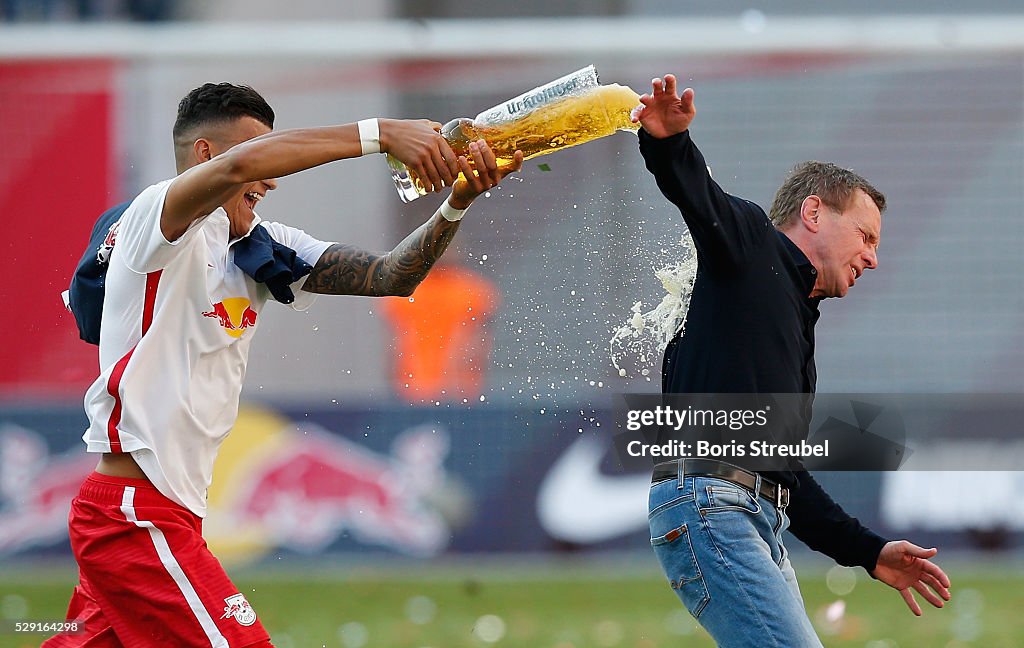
{"points": [[653, 329]]}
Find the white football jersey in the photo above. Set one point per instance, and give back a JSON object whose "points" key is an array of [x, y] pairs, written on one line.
{"points": [[178, 319]]}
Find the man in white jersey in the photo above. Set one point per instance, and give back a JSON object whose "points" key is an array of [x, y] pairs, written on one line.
{"points": [[178, 318]]}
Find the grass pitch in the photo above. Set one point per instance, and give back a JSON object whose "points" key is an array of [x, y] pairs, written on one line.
{"points": [[554, 605]]}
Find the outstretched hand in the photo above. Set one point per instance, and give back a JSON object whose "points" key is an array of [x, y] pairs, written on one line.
{"points": [[663, 113], [903, 565], [419, 145], [482, 174]]}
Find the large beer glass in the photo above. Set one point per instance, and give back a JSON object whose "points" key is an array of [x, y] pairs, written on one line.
{"points": [[565, 112]]}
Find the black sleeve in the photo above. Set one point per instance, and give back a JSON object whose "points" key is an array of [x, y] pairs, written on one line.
{"points": [[824, 526], [723, 227]]}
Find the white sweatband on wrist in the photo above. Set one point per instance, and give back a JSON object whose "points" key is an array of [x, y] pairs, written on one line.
{"points": [[369, 135], [449, 213]]}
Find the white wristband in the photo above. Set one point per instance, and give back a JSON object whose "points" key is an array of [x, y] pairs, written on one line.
{"points": [[449, 213], [369, 135]]}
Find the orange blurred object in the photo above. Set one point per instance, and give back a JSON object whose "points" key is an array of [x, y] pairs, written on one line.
{"points": [[441, 342]]}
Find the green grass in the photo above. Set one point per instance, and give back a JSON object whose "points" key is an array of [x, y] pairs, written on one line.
{"points": [[555, 606]]}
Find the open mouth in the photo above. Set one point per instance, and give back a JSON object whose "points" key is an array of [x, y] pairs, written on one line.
{"points": [[251, 198], [855, 273]]}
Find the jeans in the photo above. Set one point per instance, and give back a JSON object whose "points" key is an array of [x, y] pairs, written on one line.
{"points": [[721, 550]]}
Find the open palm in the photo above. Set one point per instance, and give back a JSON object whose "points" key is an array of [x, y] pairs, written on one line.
{"points": [[905, 566], [664, 113]]}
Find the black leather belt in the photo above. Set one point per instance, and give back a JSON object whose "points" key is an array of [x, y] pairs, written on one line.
{"points": [[778, 495]]}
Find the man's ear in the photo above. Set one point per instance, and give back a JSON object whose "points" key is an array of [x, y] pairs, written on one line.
{"points": [[810, 211], [201, 150]]}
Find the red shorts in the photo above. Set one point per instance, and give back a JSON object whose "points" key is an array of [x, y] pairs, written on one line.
{"points": [[146, 577]]}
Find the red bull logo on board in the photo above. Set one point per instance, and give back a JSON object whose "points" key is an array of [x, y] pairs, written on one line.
{"points": [[298, 486], [36, 489], [280, 484]]}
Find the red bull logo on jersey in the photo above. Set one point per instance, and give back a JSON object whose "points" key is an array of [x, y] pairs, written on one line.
{"points": [[107, 246], [235, 315]]}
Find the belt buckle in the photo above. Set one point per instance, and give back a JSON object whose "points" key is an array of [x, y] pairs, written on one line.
{"points": [[781, 496]]}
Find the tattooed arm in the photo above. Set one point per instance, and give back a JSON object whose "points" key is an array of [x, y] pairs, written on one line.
{"points": [[348, 270]]}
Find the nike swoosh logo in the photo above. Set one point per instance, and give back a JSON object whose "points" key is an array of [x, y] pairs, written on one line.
{"points": [[577, 503]]}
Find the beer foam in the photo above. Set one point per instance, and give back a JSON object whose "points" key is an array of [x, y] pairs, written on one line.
{"points": [[646, 333]]}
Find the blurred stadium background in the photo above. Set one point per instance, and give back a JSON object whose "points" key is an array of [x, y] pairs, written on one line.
{"points": [[357, 507]]}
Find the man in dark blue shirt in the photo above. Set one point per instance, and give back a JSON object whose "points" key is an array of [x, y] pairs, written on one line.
{"points": [[717, 527]]}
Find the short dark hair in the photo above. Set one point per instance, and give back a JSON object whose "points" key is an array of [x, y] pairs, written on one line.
{"points": [[833, 184], [211, 103]]}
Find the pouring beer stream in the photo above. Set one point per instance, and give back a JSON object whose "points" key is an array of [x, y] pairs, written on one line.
{"points": [[568, 111]]}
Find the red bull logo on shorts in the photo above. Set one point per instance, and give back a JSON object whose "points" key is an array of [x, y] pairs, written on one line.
{"points": [[239, 608], [235, 315]]}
